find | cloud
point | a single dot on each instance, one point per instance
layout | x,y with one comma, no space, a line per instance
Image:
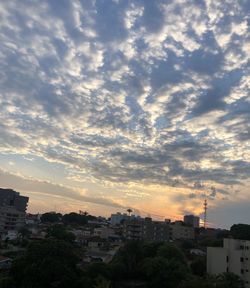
35,186
129,91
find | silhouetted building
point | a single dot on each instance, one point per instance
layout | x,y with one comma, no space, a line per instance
146,229
181,231
192,220
12,210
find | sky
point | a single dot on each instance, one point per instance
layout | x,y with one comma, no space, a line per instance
107,105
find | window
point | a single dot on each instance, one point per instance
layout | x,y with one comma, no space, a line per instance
227,269
246,258
241,259
227,258
242,271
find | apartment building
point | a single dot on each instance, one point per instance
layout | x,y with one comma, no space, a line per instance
133,229
12,210
117,218
233,257
192,220
146,229
181,231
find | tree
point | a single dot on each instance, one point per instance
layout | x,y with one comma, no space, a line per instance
126,262
6,281
225,280
198,266
231,280
161,272
24,232
102,283
240,231
198,283
75,218
51,217
129,211
60,233
188,244
98,270
47,263
150,248
171,251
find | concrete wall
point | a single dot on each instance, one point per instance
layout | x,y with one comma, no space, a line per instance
233,257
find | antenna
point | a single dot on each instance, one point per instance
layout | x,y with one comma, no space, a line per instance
205,213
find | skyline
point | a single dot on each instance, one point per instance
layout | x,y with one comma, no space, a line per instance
106,105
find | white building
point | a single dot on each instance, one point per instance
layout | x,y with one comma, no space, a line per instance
233,257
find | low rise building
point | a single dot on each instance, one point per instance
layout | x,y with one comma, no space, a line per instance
146,229
104,232
233,257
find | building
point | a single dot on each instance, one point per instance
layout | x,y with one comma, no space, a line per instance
146,229
181,231
117,218
132,229
155,230
12,210
104,232
233,257
192,220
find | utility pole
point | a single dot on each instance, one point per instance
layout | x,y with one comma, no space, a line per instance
205,213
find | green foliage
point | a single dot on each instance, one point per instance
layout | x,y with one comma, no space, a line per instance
102,283
51,217
47,263
53,263
75,218
98,270
161,272
231,280
223,234
198,266
188,244
160,264
198,283
240,231
6,281
59,232
24,232
225,280
211,243
150,248
171,251
128,259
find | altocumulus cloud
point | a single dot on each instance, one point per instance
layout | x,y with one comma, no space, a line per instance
129,91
